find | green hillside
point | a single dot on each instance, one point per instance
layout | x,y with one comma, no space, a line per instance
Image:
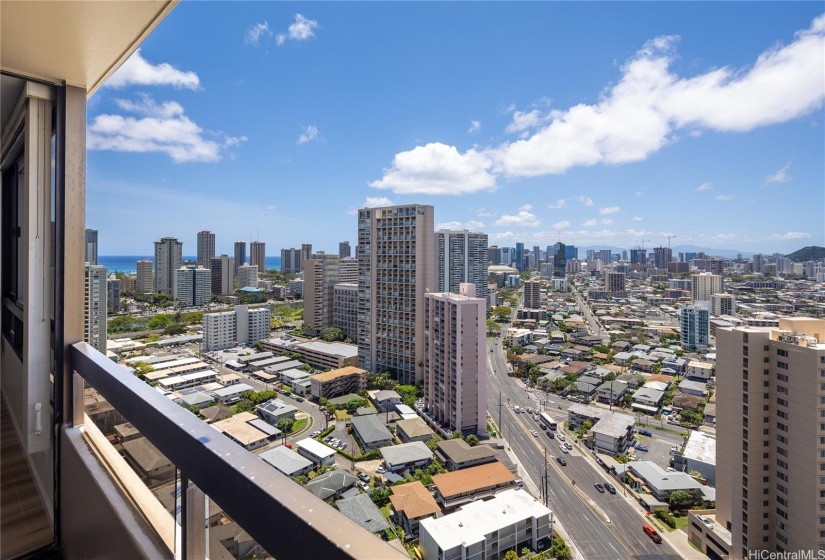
807,254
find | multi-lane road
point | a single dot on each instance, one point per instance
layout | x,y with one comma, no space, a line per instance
602,526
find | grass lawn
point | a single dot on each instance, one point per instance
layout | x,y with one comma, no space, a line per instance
387,510
681,522
299,425
342,416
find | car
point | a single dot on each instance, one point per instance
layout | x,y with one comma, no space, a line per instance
561,461
363,486
651,532
299,399
642,448
568,445
599,487
535,433
551,435
529,410
344,445
563,449
674,449
646,432
363,477
561,437
328,439
610,488
379,469
671,469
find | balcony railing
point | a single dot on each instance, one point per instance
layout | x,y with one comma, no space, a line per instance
283,518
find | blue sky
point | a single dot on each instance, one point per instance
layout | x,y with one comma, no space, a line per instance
600,124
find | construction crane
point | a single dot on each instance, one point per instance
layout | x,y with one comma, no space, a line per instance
643,243
669,237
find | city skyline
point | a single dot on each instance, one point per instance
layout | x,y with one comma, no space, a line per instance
686,113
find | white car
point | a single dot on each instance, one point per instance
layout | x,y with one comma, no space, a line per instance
560,436
379,470
563,449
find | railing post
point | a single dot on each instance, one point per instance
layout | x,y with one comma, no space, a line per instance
194,529
78,399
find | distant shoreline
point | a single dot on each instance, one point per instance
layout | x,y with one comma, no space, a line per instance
127,263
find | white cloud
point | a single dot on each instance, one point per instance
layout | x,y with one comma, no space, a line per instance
437,169
455,225
706,186
635,219
791,235
724,197
606,221
560,203
610,210
649,104
475,126
376,202
140,72
590,223
301,30
524,121
309,134
484,213
523,218
159,127
527,207
564,224
780,176
585,200
640,192
254,33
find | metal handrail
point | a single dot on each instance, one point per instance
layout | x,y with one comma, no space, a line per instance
285,519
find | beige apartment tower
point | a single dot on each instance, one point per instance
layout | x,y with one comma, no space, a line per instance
206,248
614,281
705,285
145,283
320,277
396,268
770,465
455,367
257,255
532,294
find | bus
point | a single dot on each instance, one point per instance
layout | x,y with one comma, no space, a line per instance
548,421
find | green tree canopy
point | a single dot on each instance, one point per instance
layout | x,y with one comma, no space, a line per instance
678,499
333,334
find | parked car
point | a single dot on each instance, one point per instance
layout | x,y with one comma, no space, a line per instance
651,532
379,470
646,432
599,487
561,461
363,486
363,477
610,487
642,448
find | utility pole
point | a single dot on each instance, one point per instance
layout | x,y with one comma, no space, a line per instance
546,496
499,413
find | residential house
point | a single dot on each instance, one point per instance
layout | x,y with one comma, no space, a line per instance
648,476
287,461
275,410
614,433
414,429
683,401
370,432
147,461
456,454
412,503
611,391
385,400
414,455
643,364
317,452
247,430
330,485
699,371
482,481
622,358
693,388
578,413
363,511
648,400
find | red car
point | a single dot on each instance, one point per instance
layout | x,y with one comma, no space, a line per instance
651,532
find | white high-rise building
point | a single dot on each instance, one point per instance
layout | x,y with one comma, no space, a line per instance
348,271
461,256
705,285
247,276
396,268
345,308
723,304
455,359
145,280
291,261
230,328
206,248
695,324
168,259
95,296
91,246
193,285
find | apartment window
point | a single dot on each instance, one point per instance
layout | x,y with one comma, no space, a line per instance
781,352
781,476
782,365
781,402
13,212
782,501
782,439
782,377
766,479
766,348
783,464
781,513
766,360
766,383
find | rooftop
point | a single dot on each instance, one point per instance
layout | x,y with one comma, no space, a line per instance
238,427
662,480
415,427
337,373
329,483
615,424
459,451
315,447
363,511
472,522
406,453
700,447
370,428
414,500
473,478
285,460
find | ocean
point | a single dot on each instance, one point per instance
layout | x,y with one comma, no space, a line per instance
126,263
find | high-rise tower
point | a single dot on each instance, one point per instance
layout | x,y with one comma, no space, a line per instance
168,257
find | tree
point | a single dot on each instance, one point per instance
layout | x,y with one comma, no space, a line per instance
380,496
174,329
285,424
259,346
472,440
511,555
492,326
355,404
502,312
333,334
679,499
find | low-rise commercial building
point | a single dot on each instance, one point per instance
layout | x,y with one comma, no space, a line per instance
698,455
487,529
648,476
317,353
316,452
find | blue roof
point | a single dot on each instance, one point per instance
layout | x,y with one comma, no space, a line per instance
250,289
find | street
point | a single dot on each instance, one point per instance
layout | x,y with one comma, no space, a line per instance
602,526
